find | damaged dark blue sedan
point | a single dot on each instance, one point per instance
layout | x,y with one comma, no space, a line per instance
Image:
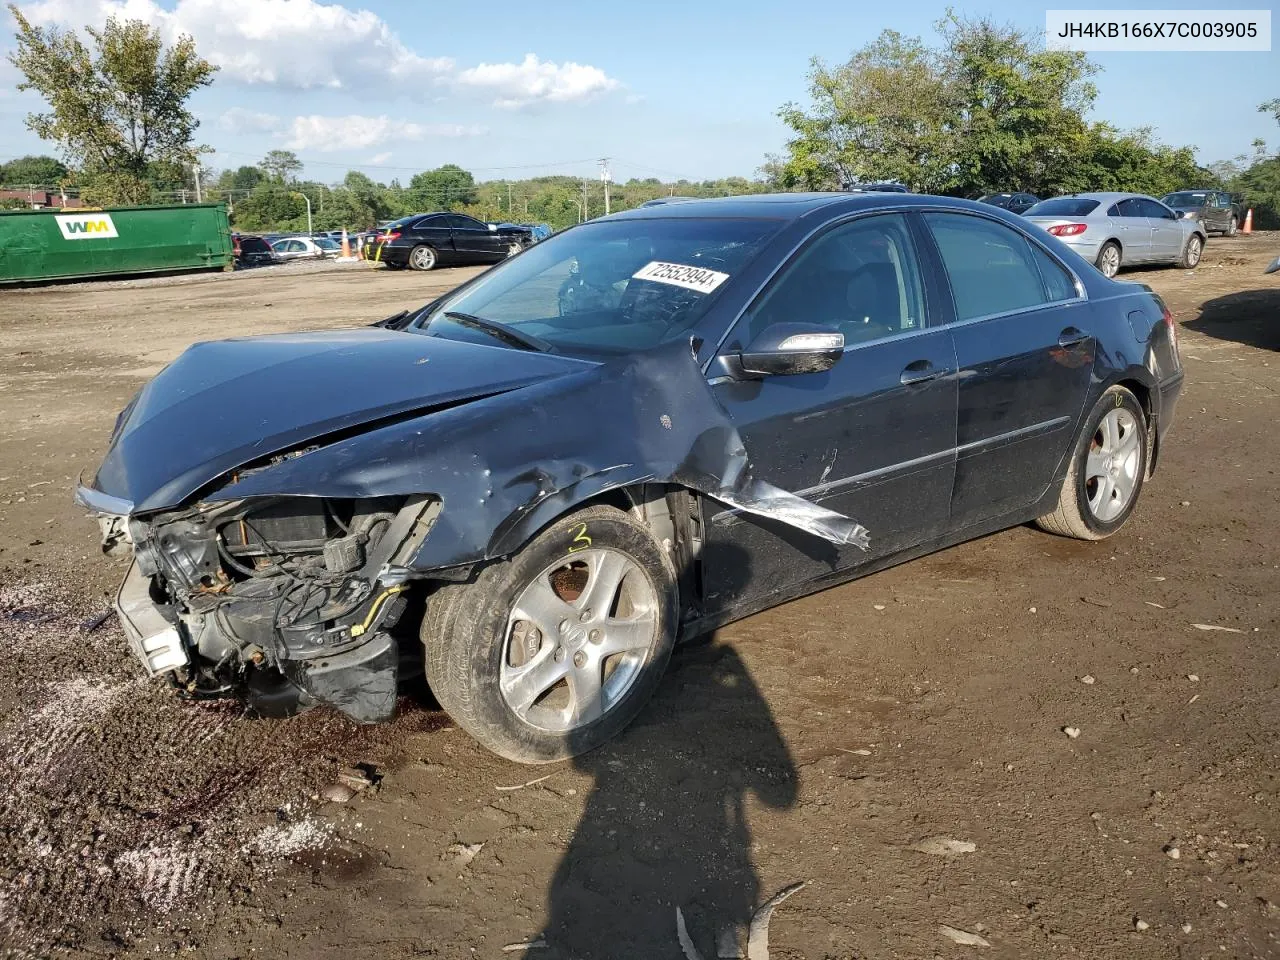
636,431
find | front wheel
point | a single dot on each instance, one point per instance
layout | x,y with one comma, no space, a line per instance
552,652
1232,227
1191,253
1109,259
422,258
1108,466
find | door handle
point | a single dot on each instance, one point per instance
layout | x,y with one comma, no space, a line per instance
922,371
1071,337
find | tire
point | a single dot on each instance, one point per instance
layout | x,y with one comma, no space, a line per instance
423,257
1109,259
1192,252
1093,504
514,248
514,682
1232,227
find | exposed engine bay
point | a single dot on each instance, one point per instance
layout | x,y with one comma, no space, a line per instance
285,601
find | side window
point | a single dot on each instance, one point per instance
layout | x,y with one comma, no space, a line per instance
429,223
1058,283
1130,208
1157,211
862,278
1114,210
296,246
991,267
459,222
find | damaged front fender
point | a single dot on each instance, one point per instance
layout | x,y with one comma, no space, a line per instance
504,466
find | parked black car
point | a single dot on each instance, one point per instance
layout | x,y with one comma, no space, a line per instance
745,400
876,188
252,251
424,241
1214,208
1018,203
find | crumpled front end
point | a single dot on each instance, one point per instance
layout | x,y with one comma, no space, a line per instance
284,601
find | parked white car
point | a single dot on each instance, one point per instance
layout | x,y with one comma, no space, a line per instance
305,248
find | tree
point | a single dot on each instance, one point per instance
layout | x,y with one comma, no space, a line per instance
40,171
282,166
240,179
116,110
988,109
445,188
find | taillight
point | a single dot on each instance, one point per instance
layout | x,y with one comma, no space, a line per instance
390,236
1068,229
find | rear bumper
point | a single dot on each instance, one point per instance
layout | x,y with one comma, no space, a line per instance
391,253
1170,392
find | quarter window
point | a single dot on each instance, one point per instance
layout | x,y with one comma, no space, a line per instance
1058,283
992,268
861,278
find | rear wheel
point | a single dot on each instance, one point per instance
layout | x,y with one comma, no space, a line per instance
1192,252
1232,227
551,653
1109,259
1108,466
422,257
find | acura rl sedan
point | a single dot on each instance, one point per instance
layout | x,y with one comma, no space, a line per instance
1114,230
636,431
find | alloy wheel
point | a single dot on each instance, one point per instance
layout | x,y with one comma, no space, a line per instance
1110,262
577,638
1194,250
422,258
1113,464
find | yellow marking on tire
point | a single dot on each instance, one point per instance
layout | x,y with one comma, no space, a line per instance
581,541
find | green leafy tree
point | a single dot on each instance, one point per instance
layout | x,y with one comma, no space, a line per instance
445,188
40,171
271,206
116,109
282,166
241,179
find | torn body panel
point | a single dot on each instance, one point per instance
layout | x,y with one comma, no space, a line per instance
295,563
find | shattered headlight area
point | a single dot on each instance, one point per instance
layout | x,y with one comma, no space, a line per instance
284,601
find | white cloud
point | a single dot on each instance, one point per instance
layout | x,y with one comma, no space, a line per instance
357,132
302,44
383,157
534,81
239,120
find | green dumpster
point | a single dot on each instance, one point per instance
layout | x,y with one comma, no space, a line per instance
55,244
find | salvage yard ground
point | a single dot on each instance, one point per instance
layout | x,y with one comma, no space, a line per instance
821,741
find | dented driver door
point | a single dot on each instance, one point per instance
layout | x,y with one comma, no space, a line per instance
873,438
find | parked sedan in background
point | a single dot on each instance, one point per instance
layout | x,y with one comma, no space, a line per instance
424,241
1114,230
1018,203
303,248
252,251
1214,208
763,396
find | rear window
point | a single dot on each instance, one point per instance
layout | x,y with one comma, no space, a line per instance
1063,207
1187,198
254,245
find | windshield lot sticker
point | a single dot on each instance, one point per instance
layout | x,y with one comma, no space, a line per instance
680,275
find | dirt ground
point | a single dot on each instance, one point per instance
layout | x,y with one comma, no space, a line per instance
816,742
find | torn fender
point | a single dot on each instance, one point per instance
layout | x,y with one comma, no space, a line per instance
505,465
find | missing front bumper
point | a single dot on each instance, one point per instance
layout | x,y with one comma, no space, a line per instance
154,640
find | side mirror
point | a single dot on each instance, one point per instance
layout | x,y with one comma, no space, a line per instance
787,348
1273,266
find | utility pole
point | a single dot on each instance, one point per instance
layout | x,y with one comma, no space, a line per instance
508,198
584,201
307,200
196,167
605,176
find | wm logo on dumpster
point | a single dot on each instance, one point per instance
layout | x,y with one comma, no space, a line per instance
91,226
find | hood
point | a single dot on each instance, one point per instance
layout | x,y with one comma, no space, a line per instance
1183,208
223,404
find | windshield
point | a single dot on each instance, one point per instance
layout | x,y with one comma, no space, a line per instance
1063,207
605,288
324,243
1186,198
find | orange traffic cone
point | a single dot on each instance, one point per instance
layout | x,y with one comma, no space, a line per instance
1248,222
346,245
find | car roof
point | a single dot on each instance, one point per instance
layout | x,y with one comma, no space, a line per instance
1101,197
786,206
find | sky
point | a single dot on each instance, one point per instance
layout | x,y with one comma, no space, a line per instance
511,90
